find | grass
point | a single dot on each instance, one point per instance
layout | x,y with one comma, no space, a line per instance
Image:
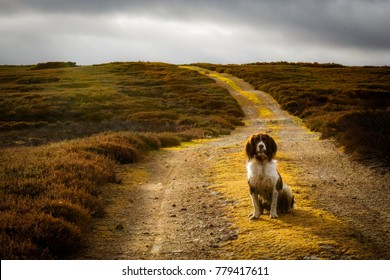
350,104
40,106
63,129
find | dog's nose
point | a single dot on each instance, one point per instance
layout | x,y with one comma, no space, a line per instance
261,146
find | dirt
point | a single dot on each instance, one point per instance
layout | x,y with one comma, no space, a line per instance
192,202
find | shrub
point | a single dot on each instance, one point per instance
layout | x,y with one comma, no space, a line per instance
80,168
48,197
143,97
7,126
117,151
217,122
155,116
168,139
56,235
92,204
12,248
355,128
189,134
336,100
151,140
36,235
53,65
66,210
37,80
49,193
293,106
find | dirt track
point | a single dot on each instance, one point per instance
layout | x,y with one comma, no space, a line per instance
192,202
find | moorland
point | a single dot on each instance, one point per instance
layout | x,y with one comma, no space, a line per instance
350,104
64,128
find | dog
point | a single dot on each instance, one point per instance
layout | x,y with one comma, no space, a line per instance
265,183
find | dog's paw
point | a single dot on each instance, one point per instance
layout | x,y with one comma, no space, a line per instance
273,216
253,217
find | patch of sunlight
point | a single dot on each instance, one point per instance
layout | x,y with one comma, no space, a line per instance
308,232
190,144
131,175
275,128
263,111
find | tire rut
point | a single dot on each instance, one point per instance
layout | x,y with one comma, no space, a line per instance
192,202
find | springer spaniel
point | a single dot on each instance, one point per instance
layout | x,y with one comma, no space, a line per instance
265,183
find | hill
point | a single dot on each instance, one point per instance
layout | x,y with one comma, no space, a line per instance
350,104
64,129
40,106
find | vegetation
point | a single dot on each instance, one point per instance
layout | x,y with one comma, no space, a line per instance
49,193
351,104
111,114
64,128
53,65
41,106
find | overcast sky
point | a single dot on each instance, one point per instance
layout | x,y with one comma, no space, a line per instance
351,32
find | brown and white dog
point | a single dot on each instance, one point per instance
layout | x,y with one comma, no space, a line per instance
265,183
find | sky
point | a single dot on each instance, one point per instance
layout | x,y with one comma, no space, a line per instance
350,32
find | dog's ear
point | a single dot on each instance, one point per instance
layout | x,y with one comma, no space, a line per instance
250,148
271,147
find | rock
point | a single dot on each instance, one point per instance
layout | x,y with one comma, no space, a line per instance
229,237
119,227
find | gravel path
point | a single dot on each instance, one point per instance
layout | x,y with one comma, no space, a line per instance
192,202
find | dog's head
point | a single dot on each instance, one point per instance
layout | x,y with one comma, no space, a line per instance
261,146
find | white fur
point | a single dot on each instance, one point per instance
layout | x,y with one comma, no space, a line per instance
261,147
263,178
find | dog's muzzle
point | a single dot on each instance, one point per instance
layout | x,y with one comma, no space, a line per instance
261,151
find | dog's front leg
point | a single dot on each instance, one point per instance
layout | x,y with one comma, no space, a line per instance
256,205
274,205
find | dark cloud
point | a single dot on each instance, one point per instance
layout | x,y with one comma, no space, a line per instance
345,31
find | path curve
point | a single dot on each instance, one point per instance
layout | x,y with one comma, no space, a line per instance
192,202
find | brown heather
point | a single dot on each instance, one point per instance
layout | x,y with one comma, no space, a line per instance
42,106
63,129
49,193
351,104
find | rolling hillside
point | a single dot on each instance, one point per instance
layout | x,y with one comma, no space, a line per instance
350,104
66,132
63,130
40,105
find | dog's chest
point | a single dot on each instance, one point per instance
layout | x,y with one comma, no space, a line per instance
262,176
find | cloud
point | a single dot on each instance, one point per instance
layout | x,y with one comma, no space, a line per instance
344,31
